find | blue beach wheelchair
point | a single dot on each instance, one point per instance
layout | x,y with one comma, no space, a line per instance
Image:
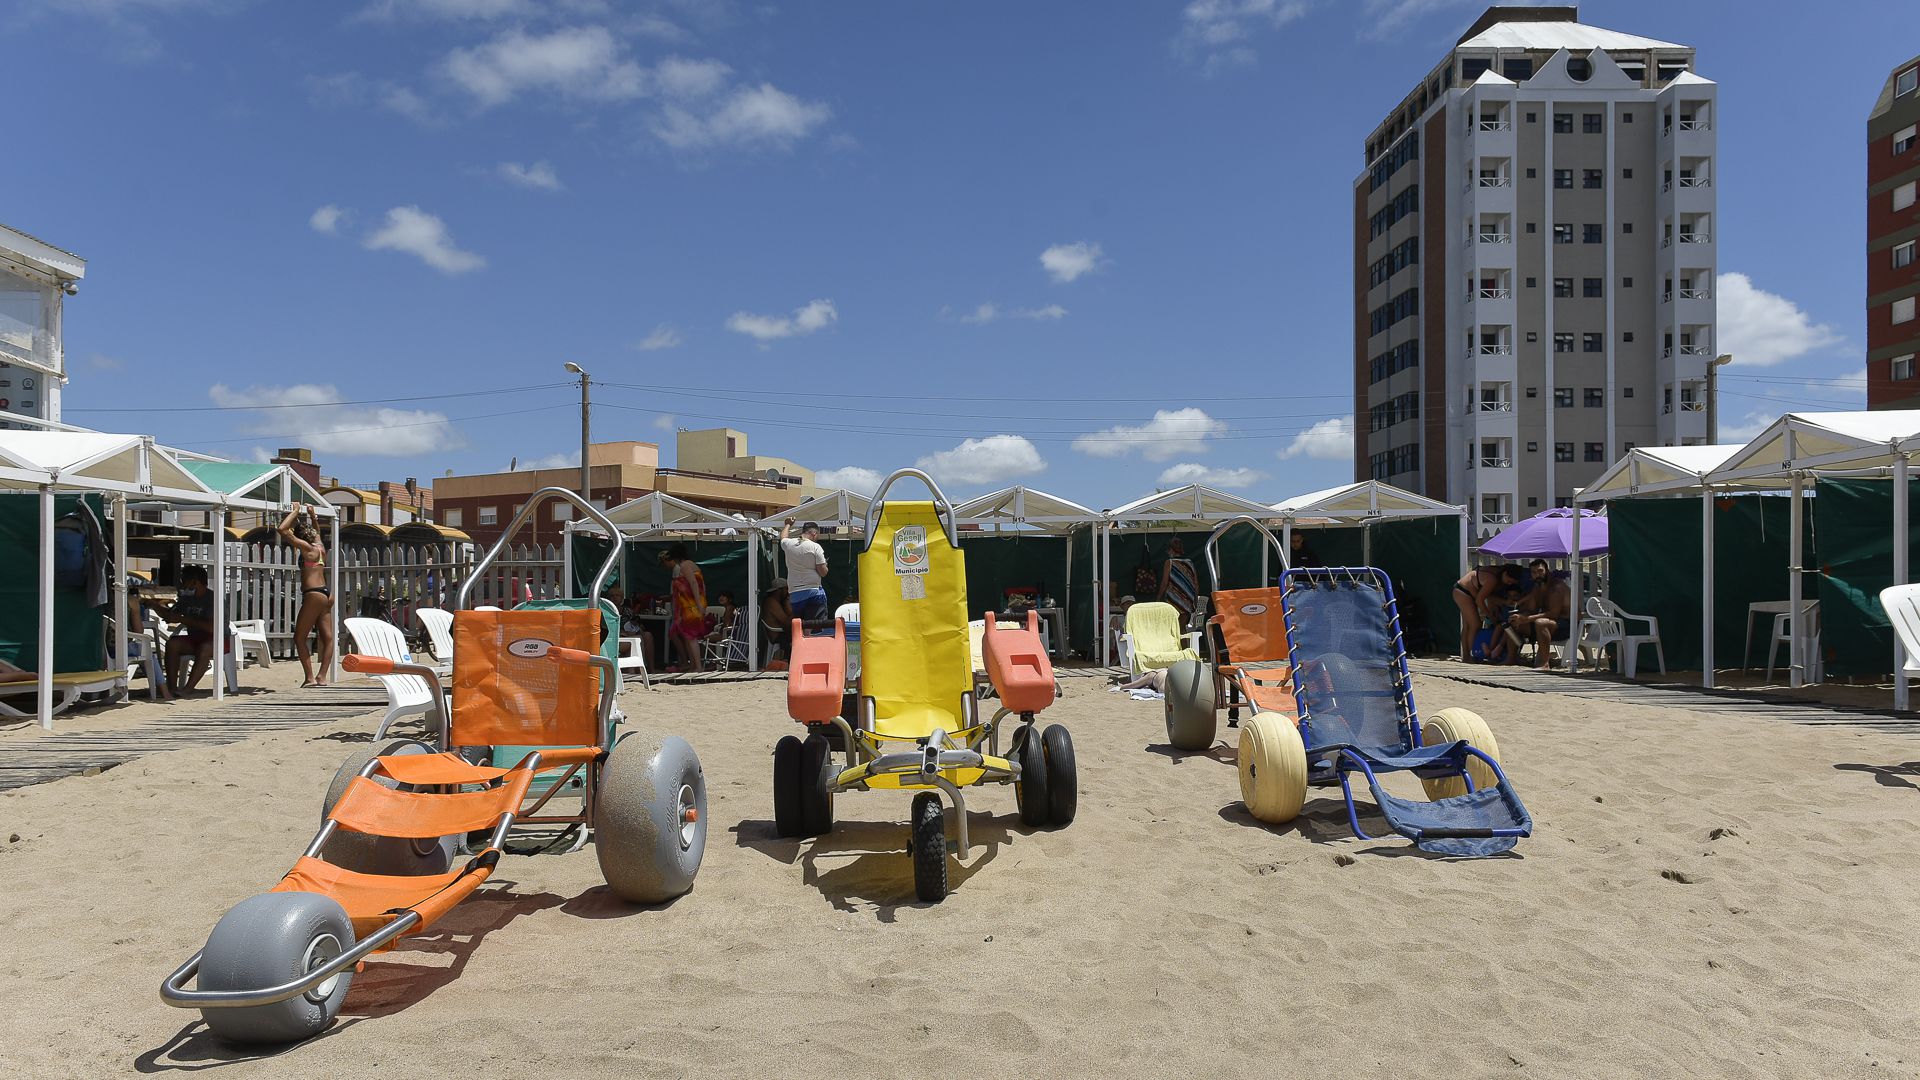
1356,716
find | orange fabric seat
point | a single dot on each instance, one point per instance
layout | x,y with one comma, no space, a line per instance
367,806
429,770
371,899
1271,694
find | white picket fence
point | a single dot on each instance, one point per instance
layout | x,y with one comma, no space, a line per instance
263,582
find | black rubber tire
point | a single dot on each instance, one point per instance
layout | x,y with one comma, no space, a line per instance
787,817
390,855
816,776
1190,699
929,846
648,849
1063,782
267,940
1030,791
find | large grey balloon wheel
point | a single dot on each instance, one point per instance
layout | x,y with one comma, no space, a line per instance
1063,782
787,817
650,818
816,785
1030,791
392,855
1190,700
929,844
268,940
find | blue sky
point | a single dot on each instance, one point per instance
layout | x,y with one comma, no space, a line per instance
1091,247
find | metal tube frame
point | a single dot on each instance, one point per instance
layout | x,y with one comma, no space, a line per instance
532,506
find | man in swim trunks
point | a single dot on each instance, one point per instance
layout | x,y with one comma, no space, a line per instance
193,610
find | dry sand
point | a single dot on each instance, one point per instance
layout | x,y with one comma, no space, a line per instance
1705,895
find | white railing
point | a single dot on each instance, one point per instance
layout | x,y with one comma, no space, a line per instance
1693,406
1696,294
1496,463
1494,350
1696,125
1696,238
1493,294
1496,406
1496,181
1496,519
1696,350
1496,238
1494,125
1696,181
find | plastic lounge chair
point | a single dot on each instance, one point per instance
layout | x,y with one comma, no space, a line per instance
276,968
919,726
438,623
1154,638
412,689
1356,714
633,657
1902,605
1246,656
251,634
68,687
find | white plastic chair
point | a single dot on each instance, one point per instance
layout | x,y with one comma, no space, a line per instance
407,695
163,633
143,651
1902,605
729,649
1783,635
438,624
251,634
1609,624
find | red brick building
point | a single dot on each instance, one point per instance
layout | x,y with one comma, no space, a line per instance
1893,242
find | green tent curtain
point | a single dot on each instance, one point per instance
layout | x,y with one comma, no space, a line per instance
723,563
79,631
1854,520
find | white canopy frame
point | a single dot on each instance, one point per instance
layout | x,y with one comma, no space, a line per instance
1363,504
1025,511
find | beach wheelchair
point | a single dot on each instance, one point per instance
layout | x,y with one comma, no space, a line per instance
1355,715
918,727
1246,655
534,685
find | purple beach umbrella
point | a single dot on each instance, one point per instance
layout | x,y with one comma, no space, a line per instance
1549,535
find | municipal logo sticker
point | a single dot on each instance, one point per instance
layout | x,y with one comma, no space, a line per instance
910,550
530,648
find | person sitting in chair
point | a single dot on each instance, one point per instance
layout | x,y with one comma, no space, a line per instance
193,610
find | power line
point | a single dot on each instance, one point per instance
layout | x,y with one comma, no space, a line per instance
324,404
381,427
1090,436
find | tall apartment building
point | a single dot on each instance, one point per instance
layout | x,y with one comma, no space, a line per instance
1893,237
1534,264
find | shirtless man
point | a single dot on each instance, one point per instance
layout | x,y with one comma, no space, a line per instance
1547,620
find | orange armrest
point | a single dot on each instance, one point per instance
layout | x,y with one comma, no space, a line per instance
1017,664
816,674
367,665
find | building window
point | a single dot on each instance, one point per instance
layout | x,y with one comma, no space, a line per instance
1532,337
1563,234
562,510
1903,139
1626,226
1564,343
1626,115
1532,173
1591,123
1591,234
489,515
1563,397
1626,283
1562,287
1591,178
1531,228
1533,501
1533,391
1591,343
1533,283
1903,195
1533,447
1472,69
1594,398
1906,81
1626,174
452,517
1518,70
1627,448
1597,452
1627,338
1903,367
1903,310
1563,123
1903,254
1563,452
1627,391
1591,288
1563,178
1533,118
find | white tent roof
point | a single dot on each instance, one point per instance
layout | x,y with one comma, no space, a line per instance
1652,470
1368,500
1798,442
1193,506
659,512
1023,507
1578,37
98,461
840,508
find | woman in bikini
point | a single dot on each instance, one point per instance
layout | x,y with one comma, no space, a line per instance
316,599
1474,595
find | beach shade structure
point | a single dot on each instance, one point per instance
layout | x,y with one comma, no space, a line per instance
1421,544
536,681
1355,715
1549,535
1012,537
1246,655
1190,508
918,725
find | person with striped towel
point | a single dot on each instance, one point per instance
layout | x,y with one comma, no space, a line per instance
1179,582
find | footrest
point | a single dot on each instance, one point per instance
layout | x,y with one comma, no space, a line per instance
1484,822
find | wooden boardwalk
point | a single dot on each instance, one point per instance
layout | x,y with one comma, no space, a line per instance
197,722
1671,696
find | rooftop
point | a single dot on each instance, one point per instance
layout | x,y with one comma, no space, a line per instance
1548,29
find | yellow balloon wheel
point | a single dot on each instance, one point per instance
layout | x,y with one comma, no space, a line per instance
1273,768
1449,725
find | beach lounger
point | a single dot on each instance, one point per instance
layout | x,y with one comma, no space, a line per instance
1246,656
1154,638
919,726
277,966
1354,701
438,623
412,689
68,688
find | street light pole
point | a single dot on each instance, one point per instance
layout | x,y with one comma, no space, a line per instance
586,411
1713,397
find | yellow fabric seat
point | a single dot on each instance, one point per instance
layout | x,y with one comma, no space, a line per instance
1154,637
918,721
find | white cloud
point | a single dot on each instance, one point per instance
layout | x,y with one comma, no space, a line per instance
1328,440
991,460
1171,433
1216,33
414,231
326,219
816,315
664,421
990,312
350,88
570,460
985,313
103,362
538,175
1044,314
853,477
1067,262
298,414
1762,329
383,10
663,337
1188,472
750,115
585,62
679,77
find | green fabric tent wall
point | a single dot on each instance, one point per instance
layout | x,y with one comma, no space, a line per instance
723,563
79,631
1854,520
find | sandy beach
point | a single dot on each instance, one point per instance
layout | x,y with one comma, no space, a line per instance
1704,895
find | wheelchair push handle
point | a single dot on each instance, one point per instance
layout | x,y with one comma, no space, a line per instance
941,504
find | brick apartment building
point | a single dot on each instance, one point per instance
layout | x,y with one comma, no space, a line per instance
1893,239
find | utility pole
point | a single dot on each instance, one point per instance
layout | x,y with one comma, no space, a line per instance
586,473
1713,397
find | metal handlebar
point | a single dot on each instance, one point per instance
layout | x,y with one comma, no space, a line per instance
1213,542
940,504
599,517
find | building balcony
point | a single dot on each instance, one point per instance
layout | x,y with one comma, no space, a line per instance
1489,522
1696,294
1497,406
1696,125
1493,125
1496,463
1489,350
1494,181
1688,238
1496,238
1491,294
1696,350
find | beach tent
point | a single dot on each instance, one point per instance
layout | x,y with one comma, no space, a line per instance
1192,508
1401,532
1008,533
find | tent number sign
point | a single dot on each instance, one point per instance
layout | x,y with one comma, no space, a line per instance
910,561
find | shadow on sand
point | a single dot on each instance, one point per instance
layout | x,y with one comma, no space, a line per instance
866,862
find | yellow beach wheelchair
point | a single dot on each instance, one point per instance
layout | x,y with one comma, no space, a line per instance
919,727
